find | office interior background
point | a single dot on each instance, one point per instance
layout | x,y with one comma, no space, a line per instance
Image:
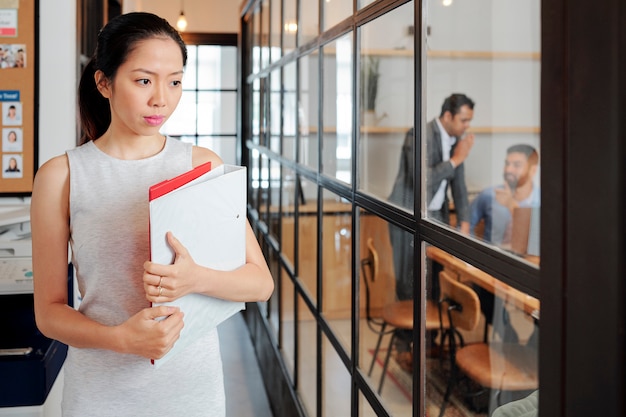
549,74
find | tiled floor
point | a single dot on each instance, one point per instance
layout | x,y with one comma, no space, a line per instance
245,392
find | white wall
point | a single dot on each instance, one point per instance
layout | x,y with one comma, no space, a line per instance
57,78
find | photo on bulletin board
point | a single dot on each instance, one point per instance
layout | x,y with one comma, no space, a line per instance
18,96
11,113
12,56
12,166
12,139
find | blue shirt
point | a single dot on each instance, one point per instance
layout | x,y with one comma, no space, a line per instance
497,217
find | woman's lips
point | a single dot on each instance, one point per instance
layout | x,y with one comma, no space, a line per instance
154,120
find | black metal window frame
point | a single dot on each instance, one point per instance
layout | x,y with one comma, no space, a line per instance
582,297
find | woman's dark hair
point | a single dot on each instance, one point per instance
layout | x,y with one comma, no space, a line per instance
116,40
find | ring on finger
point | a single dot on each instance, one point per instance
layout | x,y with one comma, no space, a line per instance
160,281
160,290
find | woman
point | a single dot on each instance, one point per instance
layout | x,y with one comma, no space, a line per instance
12,166
95,198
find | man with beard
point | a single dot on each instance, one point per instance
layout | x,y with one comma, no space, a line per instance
495,205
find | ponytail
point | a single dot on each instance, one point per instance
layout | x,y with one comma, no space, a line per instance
95,113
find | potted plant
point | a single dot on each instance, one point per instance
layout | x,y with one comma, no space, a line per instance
369,88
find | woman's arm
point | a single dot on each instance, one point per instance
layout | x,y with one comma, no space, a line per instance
251,282
55,318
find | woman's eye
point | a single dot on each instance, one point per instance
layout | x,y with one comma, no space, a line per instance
176,83
144,81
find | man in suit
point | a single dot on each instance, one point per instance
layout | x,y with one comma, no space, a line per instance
446,150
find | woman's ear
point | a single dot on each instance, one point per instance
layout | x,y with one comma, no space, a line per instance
102,83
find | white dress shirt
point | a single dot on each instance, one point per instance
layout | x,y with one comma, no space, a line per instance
446,145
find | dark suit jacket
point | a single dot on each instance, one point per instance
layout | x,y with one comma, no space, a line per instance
437,171
402,195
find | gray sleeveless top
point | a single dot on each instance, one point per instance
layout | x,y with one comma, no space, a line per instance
109,243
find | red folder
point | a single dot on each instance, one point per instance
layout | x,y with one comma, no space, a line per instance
166,186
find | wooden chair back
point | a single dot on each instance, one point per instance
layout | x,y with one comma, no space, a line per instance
465,311
369,270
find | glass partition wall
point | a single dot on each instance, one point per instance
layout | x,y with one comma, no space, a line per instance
394,152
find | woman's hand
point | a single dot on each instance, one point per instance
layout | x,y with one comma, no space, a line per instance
144,335
164,283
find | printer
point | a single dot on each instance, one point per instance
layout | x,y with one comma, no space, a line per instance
29,361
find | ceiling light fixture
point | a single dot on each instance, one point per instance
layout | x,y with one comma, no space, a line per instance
181,23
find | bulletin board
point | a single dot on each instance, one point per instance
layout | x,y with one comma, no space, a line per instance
18,96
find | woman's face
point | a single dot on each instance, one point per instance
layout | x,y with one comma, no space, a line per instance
146,88
12,163
12,137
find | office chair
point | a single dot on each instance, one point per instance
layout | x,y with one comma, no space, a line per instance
495,366
396,316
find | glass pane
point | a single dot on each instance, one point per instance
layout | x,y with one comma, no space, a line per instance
386,286
337,272
494,189
491,343
272,263
307,230
309,20
275,111
263,110
217,67
335,383
228,67
337,145
306,268
256,109
253,191
386,107
290,111
217,113
274,192
256,41
287,341
290,25
363,3
264,190
287,209
308,113
191,70
183,120
274,301
307,363
265,38
275,30
335,11
224,146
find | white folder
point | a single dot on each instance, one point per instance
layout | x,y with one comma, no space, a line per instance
207,214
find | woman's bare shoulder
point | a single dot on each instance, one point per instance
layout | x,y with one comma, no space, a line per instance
200,155
53,172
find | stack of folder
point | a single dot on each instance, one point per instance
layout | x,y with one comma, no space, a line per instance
205,209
